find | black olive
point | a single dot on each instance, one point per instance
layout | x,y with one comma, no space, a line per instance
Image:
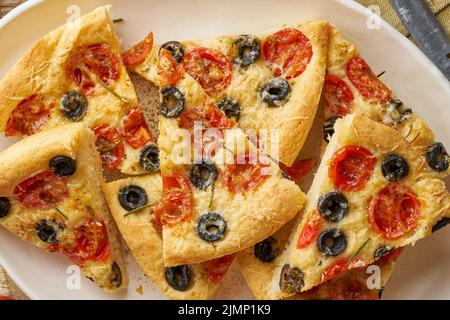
211,227
176,50
74,106
172,104
116,275
328,127
132,197
397,111
275,93
203,175
285,175
265,251
231,109
63,166
291,279
178,277
394,168
48,231
381,252
333,206
437,157
440,224
331,242
149,158
248,50
5,206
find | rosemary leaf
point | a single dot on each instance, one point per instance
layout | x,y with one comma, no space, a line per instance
91,212
116,145
148,161
118,20
137,210
382,73
110,90
359,250
61,213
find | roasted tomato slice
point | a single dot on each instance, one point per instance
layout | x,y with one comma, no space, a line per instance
28,117
137,54
217,268
299,169
349,288
177,201
390,257
335,269
338,96
41,191
244,177
288,52
109,144
367,83
169,71
310,230
216,118
351,167
394,211
135,129
188,118
210,68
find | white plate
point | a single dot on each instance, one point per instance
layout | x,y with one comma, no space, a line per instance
423,271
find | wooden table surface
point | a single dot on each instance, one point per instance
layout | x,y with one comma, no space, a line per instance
8,5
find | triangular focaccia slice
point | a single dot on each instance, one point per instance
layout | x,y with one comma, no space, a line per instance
374,191
76,74
50,195
271,82
131,202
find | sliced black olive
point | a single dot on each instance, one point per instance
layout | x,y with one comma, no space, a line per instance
285,175
74,106
211,227
397,111
132,197
149,158
440,224
203,175
381,252
291,279
333,206
48,231
63,166
175,48
276,92
172,103
231,109
116,275
328,127
265,250
394,168
437,157
331,242
5,206
178,277
248,50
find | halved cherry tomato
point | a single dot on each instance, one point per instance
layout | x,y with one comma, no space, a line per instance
189,116
299,169
109,144
137,54
216,118
367,83
177,201
169,71
391,256
135,129
5,298
210,68
28,117
243,177
350,288
338,96
351,167
310,230
288,52
41,191
217,268
335,269
394,211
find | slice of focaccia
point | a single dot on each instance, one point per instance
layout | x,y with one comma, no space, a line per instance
270,83
375,190
50,195
76,74
131,202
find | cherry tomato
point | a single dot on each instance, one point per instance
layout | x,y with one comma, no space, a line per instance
217,268
367,83
351,167
299,169
338,96
169,71
5,298
41,191
288,52
109,144
335,269
216,118
188,118
310,230
394,211
135,129
137,54
390,257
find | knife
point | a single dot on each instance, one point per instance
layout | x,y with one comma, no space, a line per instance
426,31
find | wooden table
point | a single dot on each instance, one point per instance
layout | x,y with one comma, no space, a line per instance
7,5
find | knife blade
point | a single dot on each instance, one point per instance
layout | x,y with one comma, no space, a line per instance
429,35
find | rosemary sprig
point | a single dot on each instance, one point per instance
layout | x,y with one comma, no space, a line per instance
61,213
110,90
149,162
116,145
118,20
359,250
137,210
